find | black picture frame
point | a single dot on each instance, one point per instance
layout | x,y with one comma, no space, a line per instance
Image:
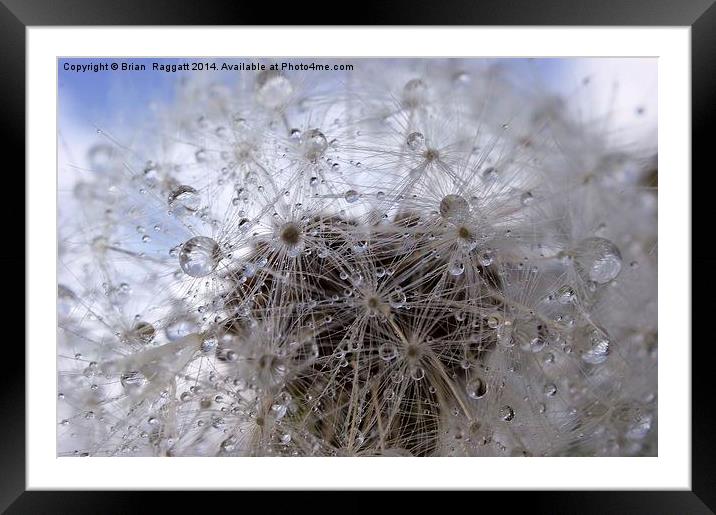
700,15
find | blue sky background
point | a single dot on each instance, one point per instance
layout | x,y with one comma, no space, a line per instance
98,98
115,101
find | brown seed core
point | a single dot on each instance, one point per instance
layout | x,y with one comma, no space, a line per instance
431,154
290,234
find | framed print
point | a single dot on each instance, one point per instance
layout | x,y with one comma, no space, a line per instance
361,257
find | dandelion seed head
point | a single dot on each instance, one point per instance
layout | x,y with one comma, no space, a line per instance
427,261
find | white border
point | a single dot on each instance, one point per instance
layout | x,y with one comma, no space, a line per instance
671,470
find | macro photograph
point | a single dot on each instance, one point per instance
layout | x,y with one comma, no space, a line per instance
357,257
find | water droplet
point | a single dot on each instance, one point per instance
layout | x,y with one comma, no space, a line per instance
597,259
84,191
351,196
417,373
415,141
199,256
91,370
550,390
273,89
632,418
536,344
229,444
565,295
454,207
456,268
184,200
178,329
143,332
132,381
486,257
66,300
209,343
100,157
461,77
494,321
387,351
397,298
598,348
490,174
295,134
507,413
527,198
476,388
415,93
314,144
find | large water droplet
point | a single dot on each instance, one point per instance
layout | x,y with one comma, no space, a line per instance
314,144
598,348
415,141
66,300
229,444
143,332
476,388
598,260
351,196
273,89
415,93
184,200
454,207
456,268
178,329
100,157
199,256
